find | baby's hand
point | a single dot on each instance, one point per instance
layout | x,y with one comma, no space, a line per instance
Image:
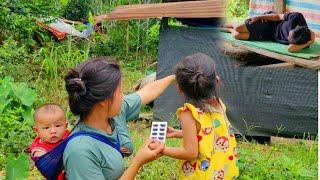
38,153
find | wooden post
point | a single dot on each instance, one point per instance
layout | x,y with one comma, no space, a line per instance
164,23
280,6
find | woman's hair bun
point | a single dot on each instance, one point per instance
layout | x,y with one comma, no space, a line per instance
74,84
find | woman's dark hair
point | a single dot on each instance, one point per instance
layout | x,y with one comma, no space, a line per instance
90,83
196,77
300,35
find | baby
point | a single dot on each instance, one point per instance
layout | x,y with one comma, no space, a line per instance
51,127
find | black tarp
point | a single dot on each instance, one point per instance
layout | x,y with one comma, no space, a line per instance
260,101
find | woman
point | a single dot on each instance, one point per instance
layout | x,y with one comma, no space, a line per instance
95,94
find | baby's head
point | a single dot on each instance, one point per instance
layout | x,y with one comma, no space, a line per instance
197,78
50,123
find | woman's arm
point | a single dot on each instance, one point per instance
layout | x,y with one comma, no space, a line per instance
132,171
189,151
151,91
143,156
100,18
296,47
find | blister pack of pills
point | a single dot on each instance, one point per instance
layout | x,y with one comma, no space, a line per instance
159,131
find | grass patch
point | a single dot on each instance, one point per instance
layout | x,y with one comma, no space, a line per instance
281,160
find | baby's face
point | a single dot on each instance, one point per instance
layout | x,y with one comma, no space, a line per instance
51,127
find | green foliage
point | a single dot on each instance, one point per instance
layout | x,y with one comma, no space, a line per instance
17,168
18,19
284,160
16,109
78,10
58,58
10,51
237,8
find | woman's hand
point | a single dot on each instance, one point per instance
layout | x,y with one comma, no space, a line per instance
146,154
99,19
153,90
143,156
173,133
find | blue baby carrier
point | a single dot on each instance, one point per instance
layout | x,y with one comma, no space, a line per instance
51,164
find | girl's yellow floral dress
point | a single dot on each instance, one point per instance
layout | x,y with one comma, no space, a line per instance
218,156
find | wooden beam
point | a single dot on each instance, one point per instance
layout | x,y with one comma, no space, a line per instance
279,65
187,9
308,63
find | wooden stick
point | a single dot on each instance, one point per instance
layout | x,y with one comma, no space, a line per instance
279,65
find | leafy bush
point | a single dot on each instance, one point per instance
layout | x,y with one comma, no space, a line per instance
18,19
237,8
17,168
11,52
16,109
78,10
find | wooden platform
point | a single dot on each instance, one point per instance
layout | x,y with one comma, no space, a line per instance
307,63
187,9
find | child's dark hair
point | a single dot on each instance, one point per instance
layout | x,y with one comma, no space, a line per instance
48,108
90,83
300,35
196,77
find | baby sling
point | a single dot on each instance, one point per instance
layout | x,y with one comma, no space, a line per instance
51,164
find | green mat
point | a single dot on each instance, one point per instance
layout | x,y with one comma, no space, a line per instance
308,53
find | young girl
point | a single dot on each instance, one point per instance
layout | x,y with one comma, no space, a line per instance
209,145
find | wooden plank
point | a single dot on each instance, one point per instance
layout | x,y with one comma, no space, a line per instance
188,9
279,65
173,4
311,63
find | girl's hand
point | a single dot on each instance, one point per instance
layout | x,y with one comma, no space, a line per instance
146,154
173,133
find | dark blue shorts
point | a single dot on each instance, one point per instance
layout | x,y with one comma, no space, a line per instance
260,30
